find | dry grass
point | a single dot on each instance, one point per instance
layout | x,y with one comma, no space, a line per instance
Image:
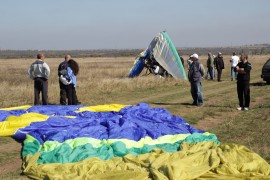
104,81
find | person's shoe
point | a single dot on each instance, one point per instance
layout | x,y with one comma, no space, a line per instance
246,108
239,108
201,104
194,104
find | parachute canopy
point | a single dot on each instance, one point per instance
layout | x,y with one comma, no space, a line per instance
160,58
118,141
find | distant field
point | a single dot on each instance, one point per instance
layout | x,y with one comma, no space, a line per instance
104,81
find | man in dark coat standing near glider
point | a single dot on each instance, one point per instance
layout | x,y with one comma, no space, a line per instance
39,71
195,75
219,65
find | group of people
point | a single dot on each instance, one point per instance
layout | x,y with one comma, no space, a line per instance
240,70
217,63
39,71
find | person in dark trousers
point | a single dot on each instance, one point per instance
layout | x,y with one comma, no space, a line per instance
63,87
182,60
72,72
210,66
195,75
219,65
39,71
243,77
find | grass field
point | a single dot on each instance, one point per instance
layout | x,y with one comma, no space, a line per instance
104,81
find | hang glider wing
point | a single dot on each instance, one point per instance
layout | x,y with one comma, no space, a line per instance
166,55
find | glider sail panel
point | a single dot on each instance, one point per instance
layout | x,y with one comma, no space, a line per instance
167,56
138,64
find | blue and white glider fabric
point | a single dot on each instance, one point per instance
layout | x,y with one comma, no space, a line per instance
166,55
138,64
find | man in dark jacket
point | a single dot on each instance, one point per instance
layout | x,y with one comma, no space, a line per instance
243,77
219,65
63,88
195,74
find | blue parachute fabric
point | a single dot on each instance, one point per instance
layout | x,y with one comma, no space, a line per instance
4,114
57,110
62,128
132,122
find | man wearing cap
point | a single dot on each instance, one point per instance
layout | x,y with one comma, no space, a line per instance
195,75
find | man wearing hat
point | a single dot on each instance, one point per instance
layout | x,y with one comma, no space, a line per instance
195,75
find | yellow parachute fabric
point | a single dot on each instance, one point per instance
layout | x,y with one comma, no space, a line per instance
103,108
17,108
198,160
12,123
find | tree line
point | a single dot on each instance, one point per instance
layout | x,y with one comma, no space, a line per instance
251,50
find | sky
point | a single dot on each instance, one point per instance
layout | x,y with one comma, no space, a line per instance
130,24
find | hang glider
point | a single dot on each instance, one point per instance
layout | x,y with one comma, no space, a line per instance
160,58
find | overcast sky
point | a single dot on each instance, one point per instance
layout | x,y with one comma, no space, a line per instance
126,24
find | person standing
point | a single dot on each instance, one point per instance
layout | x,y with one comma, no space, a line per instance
72,72
243,77
189,62
214,69
219,65
182,60
234,61
39,71
195,75
210,66
62,68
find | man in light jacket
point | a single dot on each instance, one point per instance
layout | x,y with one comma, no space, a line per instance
39,71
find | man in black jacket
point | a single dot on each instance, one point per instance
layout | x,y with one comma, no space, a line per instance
63,88
243,77
219,65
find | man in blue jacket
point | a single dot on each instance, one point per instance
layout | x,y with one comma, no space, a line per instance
195,75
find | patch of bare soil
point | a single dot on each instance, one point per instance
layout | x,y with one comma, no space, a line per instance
208,123
14,163
11,146
10,166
